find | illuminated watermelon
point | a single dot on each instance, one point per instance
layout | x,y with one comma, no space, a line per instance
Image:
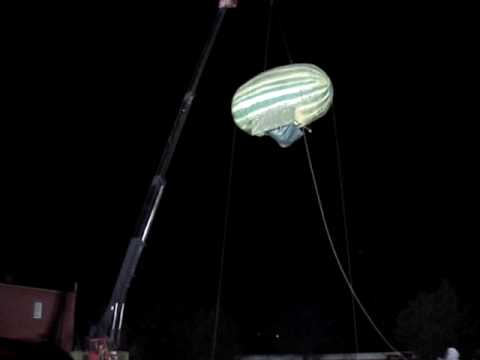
281,101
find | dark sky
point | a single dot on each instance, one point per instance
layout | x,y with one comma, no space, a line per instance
91,94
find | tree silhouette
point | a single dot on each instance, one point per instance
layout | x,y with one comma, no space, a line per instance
434,321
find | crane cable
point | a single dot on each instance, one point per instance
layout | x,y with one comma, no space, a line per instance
342,194
324,221
345,227
218,301
227,206
222,250
335,254
267,38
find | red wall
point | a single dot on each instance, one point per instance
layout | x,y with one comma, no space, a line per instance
55,319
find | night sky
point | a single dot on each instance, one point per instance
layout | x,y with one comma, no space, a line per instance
91,93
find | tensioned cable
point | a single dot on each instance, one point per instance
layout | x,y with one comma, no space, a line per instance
222,250
284,40
222,254
334,251
342,194
227,204
345,225
267,38
227,208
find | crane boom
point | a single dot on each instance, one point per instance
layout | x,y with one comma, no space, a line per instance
111,322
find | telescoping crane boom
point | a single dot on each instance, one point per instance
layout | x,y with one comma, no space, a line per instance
110,325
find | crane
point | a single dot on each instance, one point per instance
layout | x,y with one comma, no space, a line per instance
108,329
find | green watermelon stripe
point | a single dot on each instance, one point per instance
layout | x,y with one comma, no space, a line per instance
241,114
275,94
282,70
278,85
317,106
315,101
272,77
238,114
